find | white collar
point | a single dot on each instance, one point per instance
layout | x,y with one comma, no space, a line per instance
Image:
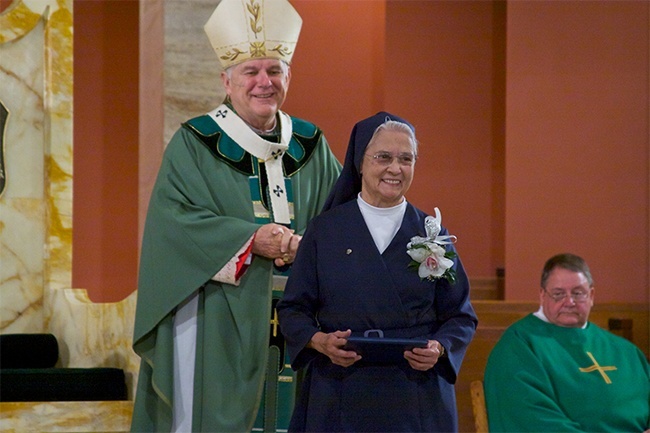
541,316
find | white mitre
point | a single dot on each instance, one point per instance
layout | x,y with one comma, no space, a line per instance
241,30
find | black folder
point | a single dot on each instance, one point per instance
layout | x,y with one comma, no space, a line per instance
381,350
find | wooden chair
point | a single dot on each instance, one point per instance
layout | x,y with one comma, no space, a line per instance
478,406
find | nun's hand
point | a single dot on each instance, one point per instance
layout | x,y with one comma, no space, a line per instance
424,358
332,344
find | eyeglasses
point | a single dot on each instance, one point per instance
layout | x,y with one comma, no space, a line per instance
387,158
577,296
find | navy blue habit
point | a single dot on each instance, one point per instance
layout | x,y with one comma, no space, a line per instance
340,281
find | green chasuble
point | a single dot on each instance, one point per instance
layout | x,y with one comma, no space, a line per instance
542,377
200,215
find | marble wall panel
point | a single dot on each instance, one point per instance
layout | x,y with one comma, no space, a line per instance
23,202
58,137
69,416
36,203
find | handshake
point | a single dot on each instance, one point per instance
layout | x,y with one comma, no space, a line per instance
276,242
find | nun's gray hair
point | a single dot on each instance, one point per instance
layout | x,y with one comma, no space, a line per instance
396,126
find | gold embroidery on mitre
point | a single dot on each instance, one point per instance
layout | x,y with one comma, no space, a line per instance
282,50
254,9
258,49
232,55
597,367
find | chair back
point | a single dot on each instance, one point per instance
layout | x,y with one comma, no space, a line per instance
478,406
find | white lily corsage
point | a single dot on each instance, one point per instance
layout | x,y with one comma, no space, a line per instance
429,257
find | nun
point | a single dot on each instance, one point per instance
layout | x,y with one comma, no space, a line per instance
376,271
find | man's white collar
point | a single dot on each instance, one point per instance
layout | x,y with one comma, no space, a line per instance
541,316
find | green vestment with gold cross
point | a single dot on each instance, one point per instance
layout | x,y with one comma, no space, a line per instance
546,378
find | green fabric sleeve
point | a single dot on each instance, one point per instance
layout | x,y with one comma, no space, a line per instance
199,216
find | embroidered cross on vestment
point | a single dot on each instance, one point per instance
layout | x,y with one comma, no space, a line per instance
599,368
275,322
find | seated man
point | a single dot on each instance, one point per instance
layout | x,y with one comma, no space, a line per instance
553,371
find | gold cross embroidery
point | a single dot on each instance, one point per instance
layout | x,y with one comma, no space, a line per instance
597,367
275,322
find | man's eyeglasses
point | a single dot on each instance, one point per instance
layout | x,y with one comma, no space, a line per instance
386,158
577,296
